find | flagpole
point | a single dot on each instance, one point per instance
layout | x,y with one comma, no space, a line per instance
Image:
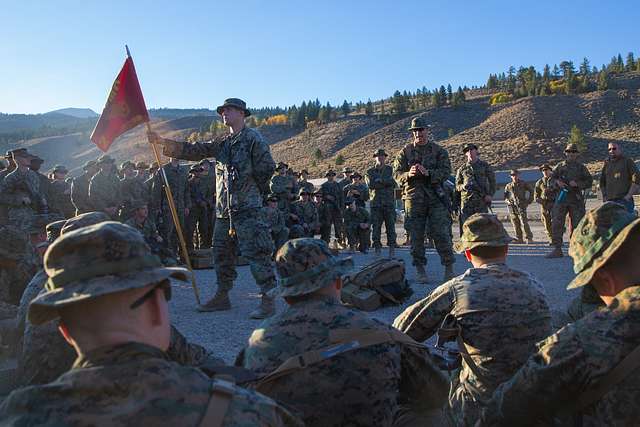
174,211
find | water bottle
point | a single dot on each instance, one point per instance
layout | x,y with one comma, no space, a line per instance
562,195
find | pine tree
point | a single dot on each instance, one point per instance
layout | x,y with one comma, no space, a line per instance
556,71
458,98
567,68
576,137
546,73
346,108
619,63
317,154
398,103
443,94
449,93
631,63
368,110
584,67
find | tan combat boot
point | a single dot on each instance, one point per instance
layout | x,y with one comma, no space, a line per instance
267,308
392,251
556,253
448,272
219,302
421,274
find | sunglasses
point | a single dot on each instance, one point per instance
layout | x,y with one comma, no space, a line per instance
166,287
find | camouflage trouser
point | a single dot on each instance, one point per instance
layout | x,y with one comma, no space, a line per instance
253,238
169,233
576,211
298,230
386,214
546,209
198,227
358,237
472,206
207,237
334,217
406,225
431,216
21,218
520,222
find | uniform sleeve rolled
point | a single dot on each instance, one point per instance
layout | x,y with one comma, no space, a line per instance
263,164
422,319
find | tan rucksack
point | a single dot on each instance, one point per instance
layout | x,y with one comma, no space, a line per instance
381,282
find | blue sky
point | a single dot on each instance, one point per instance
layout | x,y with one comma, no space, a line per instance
58,54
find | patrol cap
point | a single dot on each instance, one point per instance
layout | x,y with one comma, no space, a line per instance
19,152
127,164
356,174
469,147
419,123
235,103
347,169
544,166
36,160
303,172
272,198
306,265
142,165
330,172
196,168
571,148
60,168
281,165
598,236
482,229
348,201
380,152
89,164
514,172
94,261
302,191
83,220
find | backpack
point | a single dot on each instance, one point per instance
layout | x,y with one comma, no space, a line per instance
381,282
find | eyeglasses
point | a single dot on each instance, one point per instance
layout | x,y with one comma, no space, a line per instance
166,287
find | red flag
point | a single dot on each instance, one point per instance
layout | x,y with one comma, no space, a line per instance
124,110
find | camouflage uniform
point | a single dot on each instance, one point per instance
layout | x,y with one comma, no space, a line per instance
208,189
383,186
129,382
80,189
18,263
573,203
243,168
324,214
177,177
132,189
60,199
282,187
197,225
355,234
501,313
333,198
104,188
17,188
276,221
306,185
474,181
577,358
361,190
518,197
545,194
616,178
359,386
425,209
307,221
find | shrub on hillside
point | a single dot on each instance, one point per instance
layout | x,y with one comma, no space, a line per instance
339,160
499,98
558,87
279,119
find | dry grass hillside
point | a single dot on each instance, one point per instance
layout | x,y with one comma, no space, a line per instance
521,133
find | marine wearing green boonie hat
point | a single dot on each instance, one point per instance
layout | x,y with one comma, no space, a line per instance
95,261
307,265
235,103
482,229
419,123
597,237
83,220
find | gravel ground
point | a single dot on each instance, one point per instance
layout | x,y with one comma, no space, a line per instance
225,333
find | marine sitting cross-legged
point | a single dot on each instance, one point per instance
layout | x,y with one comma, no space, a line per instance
356,371
495,313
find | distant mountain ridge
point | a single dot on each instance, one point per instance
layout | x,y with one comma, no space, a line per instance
80,113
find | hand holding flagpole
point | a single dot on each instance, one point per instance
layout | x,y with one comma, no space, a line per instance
124,110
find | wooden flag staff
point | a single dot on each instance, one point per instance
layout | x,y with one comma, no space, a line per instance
174,212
